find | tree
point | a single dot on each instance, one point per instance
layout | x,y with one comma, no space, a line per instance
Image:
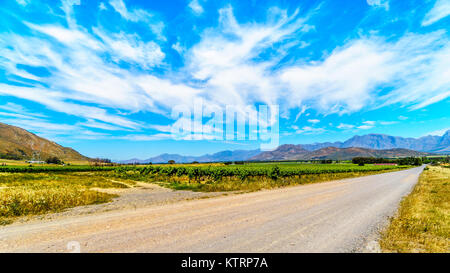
274,173
171,161
53,160
418,161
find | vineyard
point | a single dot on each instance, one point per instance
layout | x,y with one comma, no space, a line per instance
214,177
245,177
245,171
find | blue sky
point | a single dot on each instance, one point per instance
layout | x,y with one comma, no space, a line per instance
103,76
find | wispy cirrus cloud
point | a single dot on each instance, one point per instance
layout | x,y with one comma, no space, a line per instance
441,9
365,125
19,109
347,80
139,15
54,101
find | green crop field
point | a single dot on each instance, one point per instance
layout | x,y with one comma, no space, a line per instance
247,177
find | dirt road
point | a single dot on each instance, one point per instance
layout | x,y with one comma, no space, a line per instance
337,216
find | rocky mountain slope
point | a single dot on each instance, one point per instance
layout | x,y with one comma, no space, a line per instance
17,143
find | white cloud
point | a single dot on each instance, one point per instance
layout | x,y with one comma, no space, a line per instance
302,110
67,7
134,15
19,109
313,120
178,48
42,125
369,122
130,48
195,6
135,137
440,132
53,100
23,2
365,127
388,122
100,125
345,126
379,3
343,81
308,130
139,15
346,81
221,61
102,6
441,9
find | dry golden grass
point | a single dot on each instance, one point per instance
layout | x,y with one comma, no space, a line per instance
423,220
13,162
23,194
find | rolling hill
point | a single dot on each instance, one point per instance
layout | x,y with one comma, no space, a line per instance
17,143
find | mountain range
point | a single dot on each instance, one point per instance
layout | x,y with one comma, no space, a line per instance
296,152
17,143
222,156
371,145
432,144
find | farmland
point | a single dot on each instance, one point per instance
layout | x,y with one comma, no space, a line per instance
248,177
31,190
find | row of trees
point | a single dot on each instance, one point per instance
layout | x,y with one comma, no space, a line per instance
416,161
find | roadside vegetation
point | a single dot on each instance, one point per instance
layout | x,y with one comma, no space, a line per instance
423,220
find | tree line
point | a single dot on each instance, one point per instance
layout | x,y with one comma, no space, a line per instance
415,161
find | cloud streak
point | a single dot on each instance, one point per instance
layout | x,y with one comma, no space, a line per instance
440,10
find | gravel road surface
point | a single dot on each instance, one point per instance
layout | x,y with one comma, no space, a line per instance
336,216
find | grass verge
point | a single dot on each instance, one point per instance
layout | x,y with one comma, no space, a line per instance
422,223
